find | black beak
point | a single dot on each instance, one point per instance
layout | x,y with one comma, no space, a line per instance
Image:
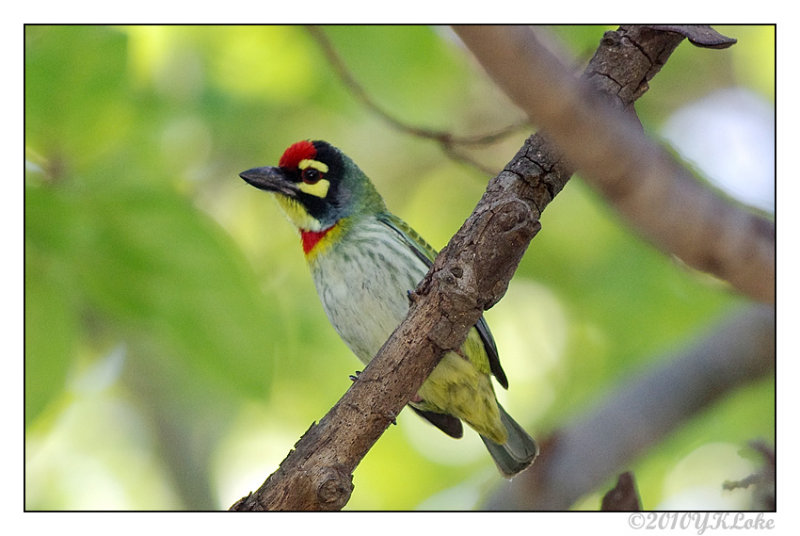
271,179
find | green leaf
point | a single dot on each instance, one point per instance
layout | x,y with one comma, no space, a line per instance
77,100
50,334
150,265
160,266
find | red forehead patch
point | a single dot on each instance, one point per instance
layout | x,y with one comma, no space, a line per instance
302,150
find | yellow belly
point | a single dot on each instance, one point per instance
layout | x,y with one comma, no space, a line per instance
456,387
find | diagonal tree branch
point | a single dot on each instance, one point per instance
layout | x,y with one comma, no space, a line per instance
659,197
585,453
469,275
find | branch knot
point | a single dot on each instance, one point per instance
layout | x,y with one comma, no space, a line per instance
335,487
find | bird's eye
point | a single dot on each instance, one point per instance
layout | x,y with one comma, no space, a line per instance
311,175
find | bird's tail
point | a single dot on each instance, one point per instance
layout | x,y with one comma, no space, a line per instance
517,453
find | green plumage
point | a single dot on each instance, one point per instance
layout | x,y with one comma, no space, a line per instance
364,261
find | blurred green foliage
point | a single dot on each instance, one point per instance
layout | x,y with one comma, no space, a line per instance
174,345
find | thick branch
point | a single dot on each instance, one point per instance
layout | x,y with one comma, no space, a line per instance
586,453
656,194
469,275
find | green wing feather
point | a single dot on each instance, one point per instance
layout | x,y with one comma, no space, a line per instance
418,244
427,254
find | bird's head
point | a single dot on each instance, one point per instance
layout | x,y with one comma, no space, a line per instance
317,185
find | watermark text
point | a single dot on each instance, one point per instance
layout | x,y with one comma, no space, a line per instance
700,522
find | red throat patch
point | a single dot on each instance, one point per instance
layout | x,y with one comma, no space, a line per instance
311,238
302,150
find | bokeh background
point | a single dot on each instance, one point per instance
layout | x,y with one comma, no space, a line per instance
175,349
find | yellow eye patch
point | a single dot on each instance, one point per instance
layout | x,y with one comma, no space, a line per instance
318,189
322,167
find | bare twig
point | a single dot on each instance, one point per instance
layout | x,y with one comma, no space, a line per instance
448,141
468,276
657,195
763,481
